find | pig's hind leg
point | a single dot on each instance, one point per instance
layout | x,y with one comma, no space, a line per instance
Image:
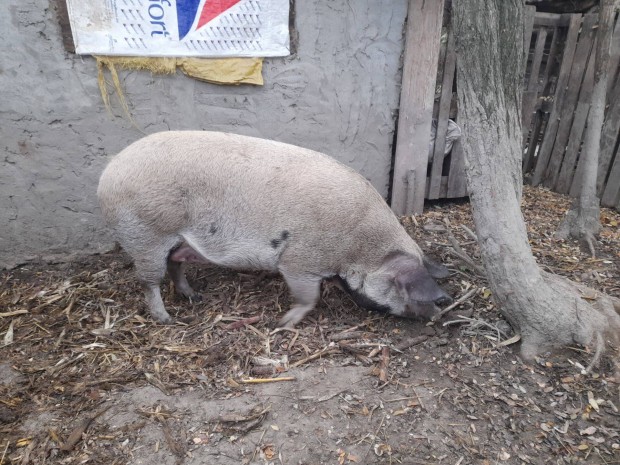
151,269
305,290
150,253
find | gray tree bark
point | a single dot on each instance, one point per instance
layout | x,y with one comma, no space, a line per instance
582,221
546,310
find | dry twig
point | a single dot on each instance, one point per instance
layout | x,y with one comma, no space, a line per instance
267,380
383,364
320,353
455,304
78,431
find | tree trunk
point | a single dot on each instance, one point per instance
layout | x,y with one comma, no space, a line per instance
546,310
583,219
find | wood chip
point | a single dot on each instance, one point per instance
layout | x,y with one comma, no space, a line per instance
383,364
78,431
267,380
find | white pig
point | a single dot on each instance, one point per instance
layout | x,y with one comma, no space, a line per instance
247,203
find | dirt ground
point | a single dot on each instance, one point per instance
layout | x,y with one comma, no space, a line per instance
86,377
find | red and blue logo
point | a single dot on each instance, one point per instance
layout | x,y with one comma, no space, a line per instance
189,10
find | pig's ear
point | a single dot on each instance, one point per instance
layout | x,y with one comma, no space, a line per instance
436,270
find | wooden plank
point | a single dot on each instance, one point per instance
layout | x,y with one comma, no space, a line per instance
609,137
531,94
442,119
614,60
551,59
528,159
541,40
585,180
584,47
422,42
528,107
552,126
443,187
457,180
552,19
62,14
564,177
611,126
529,13
611,195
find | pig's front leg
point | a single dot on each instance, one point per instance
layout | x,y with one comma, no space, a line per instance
305,289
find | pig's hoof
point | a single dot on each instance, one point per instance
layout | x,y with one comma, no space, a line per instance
190,295
195,297
292,317
286,323
163,320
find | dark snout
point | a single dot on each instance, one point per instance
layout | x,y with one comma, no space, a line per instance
443,300
425,296
426,310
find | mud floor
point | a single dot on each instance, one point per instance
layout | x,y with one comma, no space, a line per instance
86,377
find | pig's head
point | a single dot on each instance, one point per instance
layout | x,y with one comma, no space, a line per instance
404,285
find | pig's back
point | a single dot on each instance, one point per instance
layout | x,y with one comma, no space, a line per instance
200,181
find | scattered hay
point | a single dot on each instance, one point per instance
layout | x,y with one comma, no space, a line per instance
72,334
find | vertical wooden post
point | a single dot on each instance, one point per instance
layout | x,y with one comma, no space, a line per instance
529,13
422,41
442,119
544,154
530,94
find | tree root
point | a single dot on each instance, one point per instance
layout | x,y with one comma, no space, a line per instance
600,347
581,223
588,239
579,314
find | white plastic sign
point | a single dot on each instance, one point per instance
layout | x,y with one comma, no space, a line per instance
201,28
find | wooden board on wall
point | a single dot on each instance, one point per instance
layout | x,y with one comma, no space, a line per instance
531,91
563,178
569,103
611,127
457,180
611,194
422,40
554,118
609,139
539,123
529,14
442,120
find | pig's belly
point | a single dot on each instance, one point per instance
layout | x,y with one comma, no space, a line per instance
240,253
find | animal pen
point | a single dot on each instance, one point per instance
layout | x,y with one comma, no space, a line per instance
87,377
557,89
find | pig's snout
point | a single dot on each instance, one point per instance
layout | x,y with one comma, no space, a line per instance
425,310
425,298
443,300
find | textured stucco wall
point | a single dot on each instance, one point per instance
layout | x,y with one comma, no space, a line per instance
337,94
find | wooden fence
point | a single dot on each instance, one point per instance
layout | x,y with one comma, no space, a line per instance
553,140
556,100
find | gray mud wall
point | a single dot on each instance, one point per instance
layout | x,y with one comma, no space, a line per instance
337,94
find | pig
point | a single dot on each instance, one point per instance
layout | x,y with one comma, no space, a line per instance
179,197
